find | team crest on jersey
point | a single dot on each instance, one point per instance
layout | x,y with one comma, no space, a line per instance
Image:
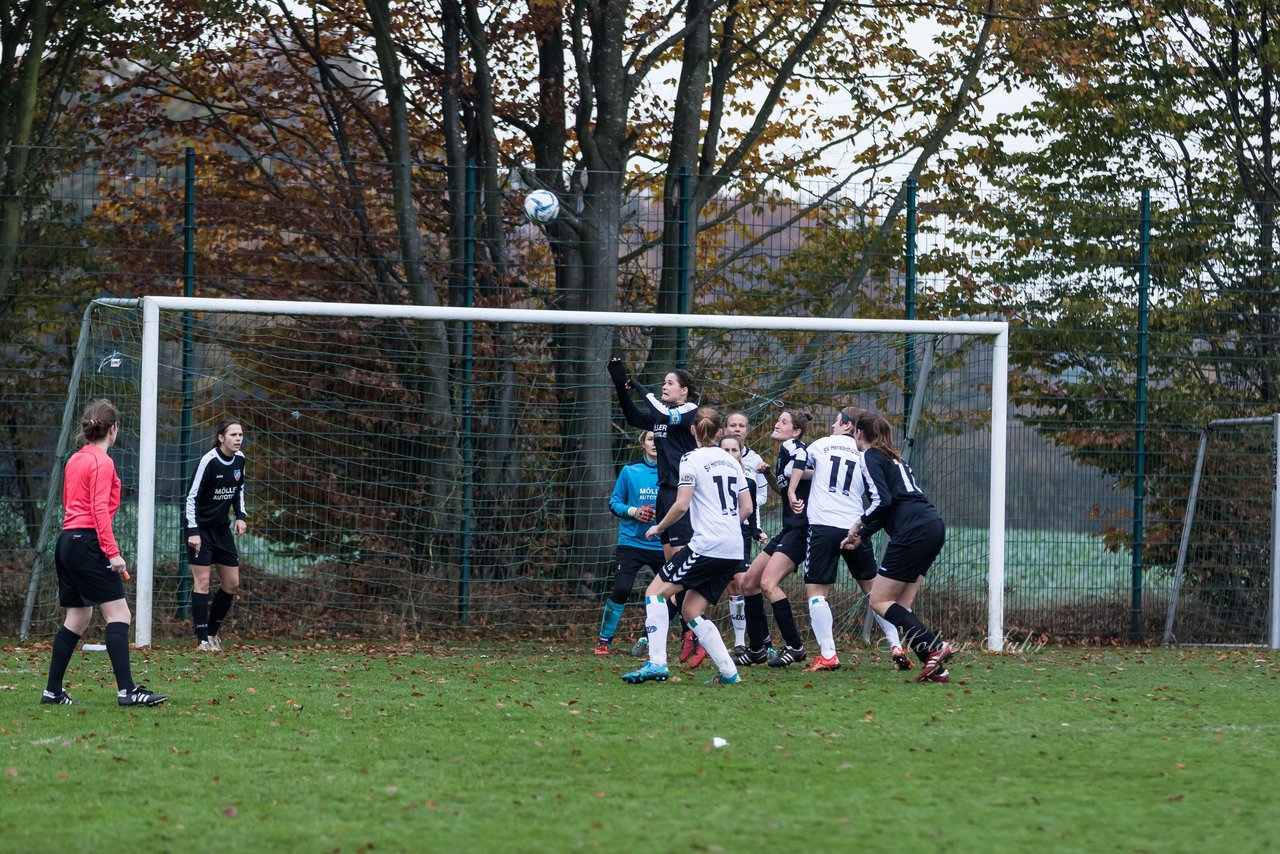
676,417
237,474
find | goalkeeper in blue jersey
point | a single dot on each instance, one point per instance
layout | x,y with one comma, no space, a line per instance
632,501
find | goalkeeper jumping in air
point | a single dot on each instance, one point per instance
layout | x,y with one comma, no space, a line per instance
667,416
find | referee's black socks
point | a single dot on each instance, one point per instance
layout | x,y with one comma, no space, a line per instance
64,644
118,650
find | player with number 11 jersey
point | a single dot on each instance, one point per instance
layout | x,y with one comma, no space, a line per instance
836,490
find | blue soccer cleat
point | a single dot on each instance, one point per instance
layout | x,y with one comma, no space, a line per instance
721,679
648,672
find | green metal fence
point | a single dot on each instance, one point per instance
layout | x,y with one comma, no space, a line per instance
1135,321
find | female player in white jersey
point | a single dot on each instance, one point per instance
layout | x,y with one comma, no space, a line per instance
835,501
737,427
782,554
713,491
916,534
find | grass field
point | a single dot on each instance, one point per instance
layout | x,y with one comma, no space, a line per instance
501,747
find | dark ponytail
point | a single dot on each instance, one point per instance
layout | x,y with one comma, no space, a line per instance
877,433
98,419
706,426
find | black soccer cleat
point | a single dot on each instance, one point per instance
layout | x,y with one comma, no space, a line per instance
62,698
139,696
748,657
789,655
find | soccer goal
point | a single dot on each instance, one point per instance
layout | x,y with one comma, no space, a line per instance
1226,581
412,470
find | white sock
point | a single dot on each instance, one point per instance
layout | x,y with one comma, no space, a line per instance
709,636
738,617
889,629
823,625
657,624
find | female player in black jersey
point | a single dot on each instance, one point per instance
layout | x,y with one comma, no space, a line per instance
667,416
783,553
663,414
916,533
216,490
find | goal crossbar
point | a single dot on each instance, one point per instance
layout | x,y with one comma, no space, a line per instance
151,307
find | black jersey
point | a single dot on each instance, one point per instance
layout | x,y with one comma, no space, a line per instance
670,426
895,501
216,488
793,459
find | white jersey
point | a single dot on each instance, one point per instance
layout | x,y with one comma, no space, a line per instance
716,478
750,460
835,493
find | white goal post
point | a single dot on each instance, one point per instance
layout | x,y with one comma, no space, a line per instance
995,332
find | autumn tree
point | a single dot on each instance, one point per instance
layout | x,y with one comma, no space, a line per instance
1177,99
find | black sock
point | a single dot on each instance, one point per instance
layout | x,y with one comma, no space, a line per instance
118,650
757,623
218,611
64,644
914,632
200,615
678,602
786,623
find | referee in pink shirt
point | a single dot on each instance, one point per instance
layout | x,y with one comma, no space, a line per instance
89,562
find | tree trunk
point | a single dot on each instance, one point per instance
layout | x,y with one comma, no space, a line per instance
16,128
439,456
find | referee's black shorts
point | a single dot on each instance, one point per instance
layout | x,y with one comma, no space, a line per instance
824,556
911,553
681,532
217,545
85,576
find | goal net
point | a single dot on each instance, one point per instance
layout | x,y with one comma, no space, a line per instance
1224,589
412,470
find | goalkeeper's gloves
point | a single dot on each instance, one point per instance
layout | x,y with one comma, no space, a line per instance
618,372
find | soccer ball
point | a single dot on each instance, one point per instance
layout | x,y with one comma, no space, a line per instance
541,206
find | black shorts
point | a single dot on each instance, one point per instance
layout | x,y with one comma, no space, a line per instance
791,542
747,541
632,559
85,576
682,531
217,545
909,556
707,575
824,555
